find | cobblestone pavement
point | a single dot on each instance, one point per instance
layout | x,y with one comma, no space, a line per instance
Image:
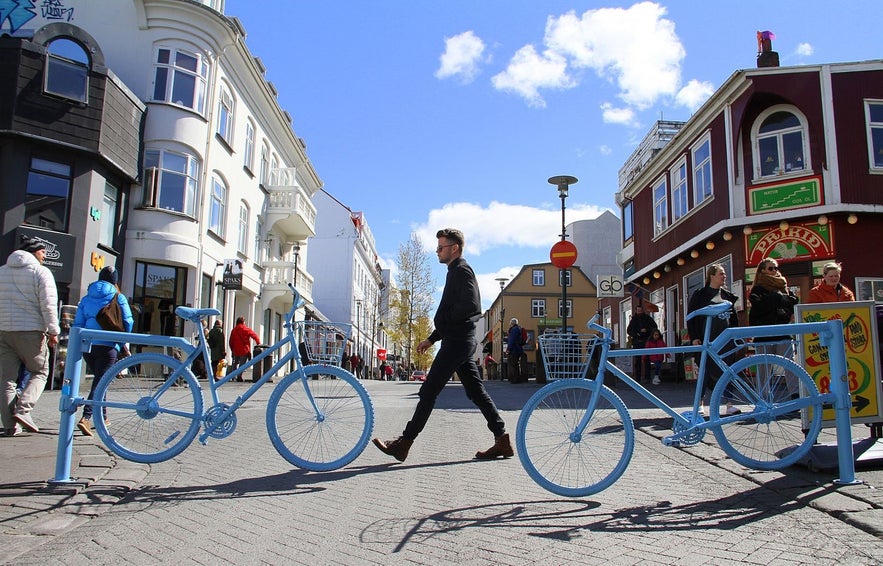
237,501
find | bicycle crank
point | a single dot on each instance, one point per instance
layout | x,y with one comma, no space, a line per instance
685,436
212,417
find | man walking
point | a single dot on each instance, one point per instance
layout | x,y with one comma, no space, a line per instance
240,344
28,328
217,351
459,309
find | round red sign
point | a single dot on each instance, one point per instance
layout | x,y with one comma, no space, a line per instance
563,254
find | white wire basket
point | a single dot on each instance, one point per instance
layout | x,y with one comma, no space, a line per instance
325,341
569,355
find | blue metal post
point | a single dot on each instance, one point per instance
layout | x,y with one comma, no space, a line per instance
69,391
842,400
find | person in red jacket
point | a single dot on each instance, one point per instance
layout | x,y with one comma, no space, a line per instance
830,290
240,345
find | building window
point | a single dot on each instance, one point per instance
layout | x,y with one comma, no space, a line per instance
158,290
702,188
217,212
264,173
660,207
628,231
692,282
539,278
180,78
868,289
48,194
779,137
225,116
569,309
171,181
538,308
67,71
874,117
109,222
680,198
242,240
248,157
564,278
260,251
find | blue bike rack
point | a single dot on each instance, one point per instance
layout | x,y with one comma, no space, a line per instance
80,341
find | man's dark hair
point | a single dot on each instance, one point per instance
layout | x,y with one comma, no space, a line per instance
452,234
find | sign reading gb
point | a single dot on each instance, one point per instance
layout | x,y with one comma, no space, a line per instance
609,286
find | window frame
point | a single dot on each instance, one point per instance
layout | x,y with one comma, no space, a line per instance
703,184
60,69
679,190
174,74
565,275
110,208
875,285
781,137
264,173
226,115
244,222
248,154
538,308
569,309
875,135
54,174
538,278
217,209
659,193
628,222
153,196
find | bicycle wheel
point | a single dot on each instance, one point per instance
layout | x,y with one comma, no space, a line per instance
559,459
770,391
320,419
147,417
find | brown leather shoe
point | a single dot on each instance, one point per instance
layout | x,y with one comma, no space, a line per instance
397,448
501,448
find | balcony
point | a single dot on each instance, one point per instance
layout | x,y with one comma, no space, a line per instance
274,286
290,209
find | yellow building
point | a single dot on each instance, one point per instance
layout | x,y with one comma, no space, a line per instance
534,297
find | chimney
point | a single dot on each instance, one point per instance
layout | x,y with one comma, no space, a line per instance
766,57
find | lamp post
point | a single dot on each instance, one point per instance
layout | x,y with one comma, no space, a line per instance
502,281
563,183
296,249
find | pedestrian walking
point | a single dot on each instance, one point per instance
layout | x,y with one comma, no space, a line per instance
515,349
103,354
28,328
216,346
458,311
240,344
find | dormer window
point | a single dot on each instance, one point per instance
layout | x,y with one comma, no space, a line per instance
67,71
780,144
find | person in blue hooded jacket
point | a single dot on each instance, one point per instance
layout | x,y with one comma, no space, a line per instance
103,354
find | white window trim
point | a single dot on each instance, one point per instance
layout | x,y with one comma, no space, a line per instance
226,101
697,167
660,227
681,187
755,149
870,127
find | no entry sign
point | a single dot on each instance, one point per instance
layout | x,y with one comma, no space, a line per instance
563,254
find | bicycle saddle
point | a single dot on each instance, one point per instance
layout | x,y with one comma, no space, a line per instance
194,315
713,309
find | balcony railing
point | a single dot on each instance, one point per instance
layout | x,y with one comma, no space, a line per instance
278,274
289,208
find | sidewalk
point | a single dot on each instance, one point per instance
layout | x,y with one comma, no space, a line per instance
31,507
33,510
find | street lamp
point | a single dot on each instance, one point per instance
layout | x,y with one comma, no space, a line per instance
502,281
563,183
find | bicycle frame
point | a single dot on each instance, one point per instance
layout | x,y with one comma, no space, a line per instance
830,334
81,340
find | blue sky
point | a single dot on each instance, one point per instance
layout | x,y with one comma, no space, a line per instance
456,112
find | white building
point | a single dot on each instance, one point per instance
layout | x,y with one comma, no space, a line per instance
224,177
347,274
598,243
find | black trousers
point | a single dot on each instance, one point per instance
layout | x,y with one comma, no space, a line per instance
454,355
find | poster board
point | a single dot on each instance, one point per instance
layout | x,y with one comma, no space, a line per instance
862,356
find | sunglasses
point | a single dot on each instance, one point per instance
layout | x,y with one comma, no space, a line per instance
772,268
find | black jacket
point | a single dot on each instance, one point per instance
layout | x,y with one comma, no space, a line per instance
702,298
770,307
640,327
460,305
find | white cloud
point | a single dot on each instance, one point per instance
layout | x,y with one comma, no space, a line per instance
500,224
461,58
804,50
529,71
624,116
605,149
635,48
694,94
